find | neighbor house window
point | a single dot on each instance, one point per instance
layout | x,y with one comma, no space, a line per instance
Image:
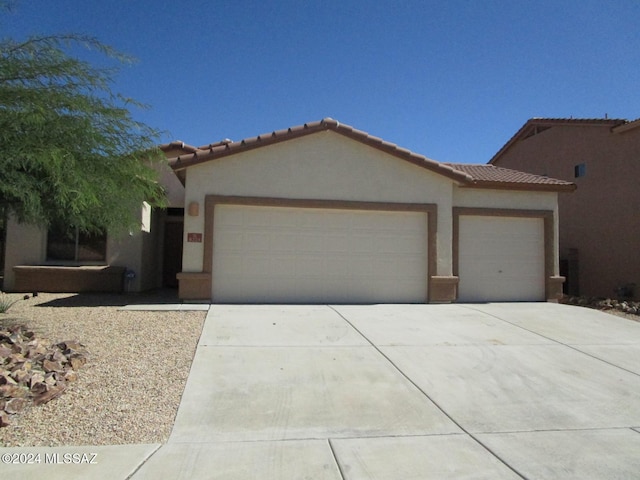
71,245
579,170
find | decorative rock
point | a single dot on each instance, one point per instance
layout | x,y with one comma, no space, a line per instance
626,306
50,379
71,345
57,356
39,388
4,419
15,405
13,391
21,375
36,377
5,379
52,366
54,392
77,361
32,371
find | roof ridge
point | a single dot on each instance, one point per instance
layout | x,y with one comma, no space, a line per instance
466,174
580,119
223,149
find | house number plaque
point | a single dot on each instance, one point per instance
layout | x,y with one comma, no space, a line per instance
194,237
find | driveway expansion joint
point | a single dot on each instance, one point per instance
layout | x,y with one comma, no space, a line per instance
426,395
157,449
557,342
335,459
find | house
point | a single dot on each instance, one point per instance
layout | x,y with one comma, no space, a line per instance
599,230
323,212
37,260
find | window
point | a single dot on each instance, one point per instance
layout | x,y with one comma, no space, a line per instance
71,245
579,170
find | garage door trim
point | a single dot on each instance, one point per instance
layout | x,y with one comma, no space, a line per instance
552,282
211,201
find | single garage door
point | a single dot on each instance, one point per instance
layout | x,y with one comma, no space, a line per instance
501,259
311,255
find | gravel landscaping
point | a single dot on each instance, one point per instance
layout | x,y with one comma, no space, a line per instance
129,389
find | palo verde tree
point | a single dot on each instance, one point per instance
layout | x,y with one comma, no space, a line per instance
70,151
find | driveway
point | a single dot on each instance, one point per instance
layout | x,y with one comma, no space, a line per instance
499,391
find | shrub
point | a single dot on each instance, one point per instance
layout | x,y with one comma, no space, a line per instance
6,302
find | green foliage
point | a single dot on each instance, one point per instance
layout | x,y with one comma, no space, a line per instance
70,151
6,302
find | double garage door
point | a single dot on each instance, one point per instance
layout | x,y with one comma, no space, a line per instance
316,255
323,255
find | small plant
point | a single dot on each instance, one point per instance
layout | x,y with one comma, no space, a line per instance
6,302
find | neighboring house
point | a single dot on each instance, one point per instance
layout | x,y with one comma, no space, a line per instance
599,228
325,213
150,257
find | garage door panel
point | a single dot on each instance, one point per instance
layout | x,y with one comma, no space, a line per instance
281,254
501,259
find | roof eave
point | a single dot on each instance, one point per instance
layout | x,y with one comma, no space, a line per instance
550,122
538,187
233,148
178,145
626,126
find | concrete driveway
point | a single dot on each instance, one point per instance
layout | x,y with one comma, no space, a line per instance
496,391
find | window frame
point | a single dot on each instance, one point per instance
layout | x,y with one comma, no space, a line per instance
580,170
77,248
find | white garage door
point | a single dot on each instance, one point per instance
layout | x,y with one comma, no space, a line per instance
501,259
308,255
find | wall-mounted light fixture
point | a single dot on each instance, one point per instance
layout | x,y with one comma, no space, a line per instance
194,209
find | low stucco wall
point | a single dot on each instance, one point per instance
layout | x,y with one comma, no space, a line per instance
68,279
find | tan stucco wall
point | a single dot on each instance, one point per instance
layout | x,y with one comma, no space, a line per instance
323,166
173,188
599,218
26,245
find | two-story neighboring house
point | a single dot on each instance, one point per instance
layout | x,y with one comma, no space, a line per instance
600,221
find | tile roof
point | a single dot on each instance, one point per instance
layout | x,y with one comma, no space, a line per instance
492,176
226,148
530,126
469,175
178,145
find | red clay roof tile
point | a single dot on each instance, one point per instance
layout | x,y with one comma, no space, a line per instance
490,175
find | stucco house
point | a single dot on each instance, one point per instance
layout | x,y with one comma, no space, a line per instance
599,230
37,260
315,213
323,212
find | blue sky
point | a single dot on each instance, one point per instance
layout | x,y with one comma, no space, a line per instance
452,80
